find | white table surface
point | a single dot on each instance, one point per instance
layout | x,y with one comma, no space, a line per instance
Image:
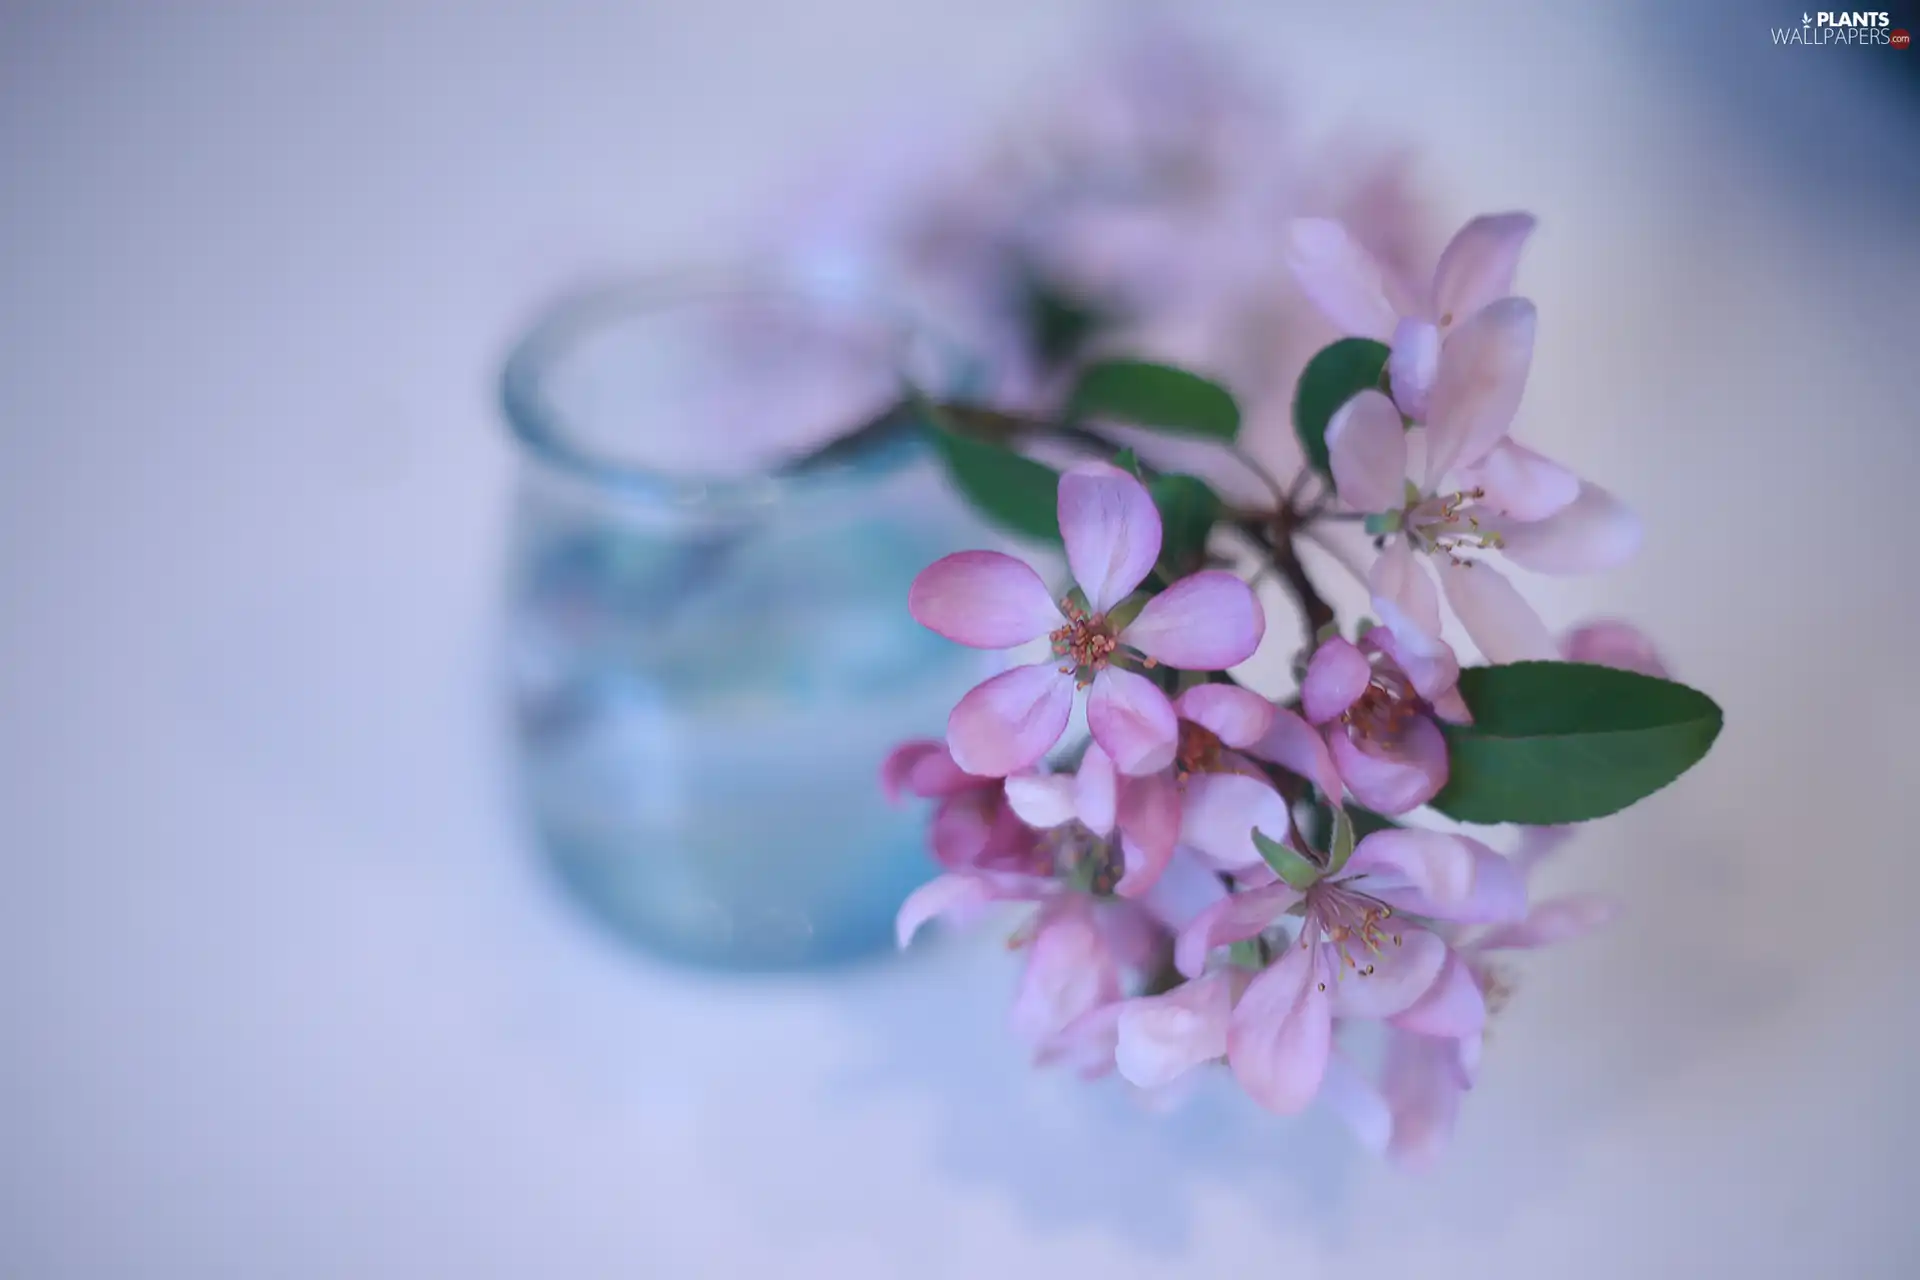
285,994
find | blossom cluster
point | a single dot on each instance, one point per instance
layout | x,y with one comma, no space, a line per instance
1221,876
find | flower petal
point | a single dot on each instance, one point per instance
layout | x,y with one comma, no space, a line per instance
943,895
1085,1044
1096,791
1112,531
1070,972
1149,816
1422,1089
1404,597
1135,937
1398,780
1133,721
983,599
1233,919
1499,890
1221,810
1337,674
1281,1031
1005,724
1502,624
1595,532
1184,889
1520,484
1401,974
1610,643
936,775
1294,744
1367,451
1478,264
1012,845
1483,374
1354,1099
1537,843
963,829
1042,800
1496,891
1430,664
1435,868
1412,364
1552,921
1207,621
1163,1037
1340,278
896,771
1452,1006
1238,717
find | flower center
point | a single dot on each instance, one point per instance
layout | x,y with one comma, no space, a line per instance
1087,642
1354,923
1082,858
1198,752
1445,524
1383,708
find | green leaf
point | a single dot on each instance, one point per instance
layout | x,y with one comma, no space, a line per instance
1155,395
1247,954
1188,510
1340,848
1128,461
1289,865
1015,492
1555,742
1334,376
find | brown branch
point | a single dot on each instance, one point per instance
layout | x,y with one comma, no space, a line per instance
1273,534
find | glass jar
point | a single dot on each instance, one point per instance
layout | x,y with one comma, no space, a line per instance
709,650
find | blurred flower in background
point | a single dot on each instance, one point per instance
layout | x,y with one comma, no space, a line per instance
1137,206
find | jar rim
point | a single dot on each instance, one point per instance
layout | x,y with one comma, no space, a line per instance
538,428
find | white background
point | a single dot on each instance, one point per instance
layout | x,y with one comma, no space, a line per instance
283,992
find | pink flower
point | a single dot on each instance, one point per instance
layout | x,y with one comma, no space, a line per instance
1153,1041
1412,1112
1533,511
1424,1076
1082,951
1081,813
1609,643
1348,961
1215,722
1220,811
1205,622
962,895
1475,270
1376,716
973,825
1461,351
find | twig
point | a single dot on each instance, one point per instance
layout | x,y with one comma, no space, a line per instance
1275,540
1266,477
